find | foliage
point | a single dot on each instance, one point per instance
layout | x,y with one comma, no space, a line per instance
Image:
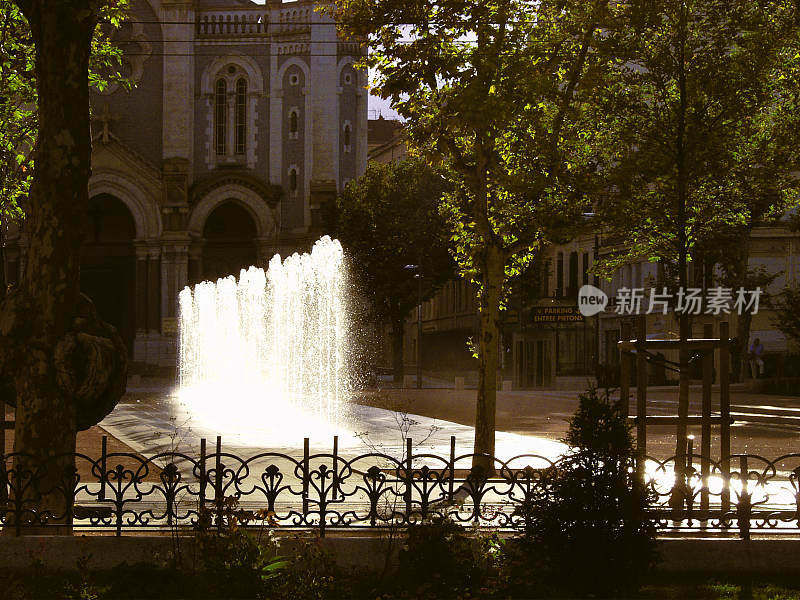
440,557
386,220
311,574
494,92
236,563
585,527
787,312
18,116
697,128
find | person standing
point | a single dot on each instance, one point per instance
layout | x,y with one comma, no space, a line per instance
756,360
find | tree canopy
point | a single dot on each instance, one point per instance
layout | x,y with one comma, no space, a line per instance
18,108
696,135
388,220
494,92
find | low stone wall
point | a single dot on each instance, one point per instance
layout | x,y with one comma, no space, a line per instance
707,556
758,556
61,553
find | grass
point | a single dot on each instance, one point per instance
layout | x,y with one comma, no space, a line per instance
776,588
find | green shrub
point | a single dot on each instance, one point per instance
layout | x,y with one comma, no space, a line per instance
585,529
441,557
311,574
233,562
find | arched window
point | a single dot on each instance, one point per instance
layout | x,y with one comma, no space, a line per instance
241,115
293,123
347,135
293,180
220,115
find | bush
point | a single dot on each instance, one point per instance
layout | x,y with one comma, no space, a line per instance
585,529
311,574
440,558
235,563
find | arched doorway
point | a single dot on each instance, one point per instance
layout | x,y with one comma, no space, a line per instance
108,264
229,235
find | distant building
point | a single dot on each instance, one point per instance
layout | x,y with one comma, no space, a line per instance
546,342
381,131
245,119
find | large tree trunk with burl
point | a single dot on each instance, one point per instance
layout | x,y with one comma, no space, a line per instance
493,269
59,355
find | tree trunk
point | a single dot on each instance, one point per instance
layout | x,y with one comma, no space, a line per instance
3,278
38,318
493,270
397,348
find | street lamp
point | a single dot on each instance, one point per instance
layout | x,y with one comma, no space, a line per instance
418,277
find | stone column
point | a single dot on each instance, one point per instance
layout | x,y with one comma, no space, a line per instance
195,272
174,276
140,339
323,164
179,77
153,304
324,85
275,120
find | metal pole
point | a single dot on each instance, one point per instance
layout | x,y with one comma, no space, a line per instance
705,434
419,329
641,394
725,416
625,371
596,282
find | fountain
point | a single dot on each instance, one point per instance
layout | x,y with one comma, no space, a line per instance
265,355
264,362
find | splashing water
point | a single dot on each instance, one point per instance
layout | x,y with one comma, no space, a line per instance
265,355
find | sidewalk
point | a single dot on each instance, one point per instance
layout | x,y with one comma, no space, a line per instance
90,443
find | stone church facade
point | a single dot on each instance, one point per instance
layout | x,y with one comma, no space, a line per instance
245,119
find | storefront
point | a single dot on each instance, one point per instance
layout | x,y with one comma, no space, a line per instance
557,342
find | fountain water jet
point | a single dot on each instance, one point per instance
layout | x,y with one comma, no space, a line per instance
265,355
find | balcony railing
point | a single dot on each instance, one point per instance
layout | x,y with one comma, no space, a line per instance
233,23
255,21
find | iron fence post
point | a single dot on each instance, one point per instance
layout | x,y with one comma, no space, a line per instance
687,478
218,500
408,479
743,506
335,467
452,468
305,478
103,466
202,499
725,418
705,434
641,392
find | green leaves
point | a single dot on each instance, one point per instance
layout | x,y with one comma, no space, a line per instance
18,119
388,219
701,103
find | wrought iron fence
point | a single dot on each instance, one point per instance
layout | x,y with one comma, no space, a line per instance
125,492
